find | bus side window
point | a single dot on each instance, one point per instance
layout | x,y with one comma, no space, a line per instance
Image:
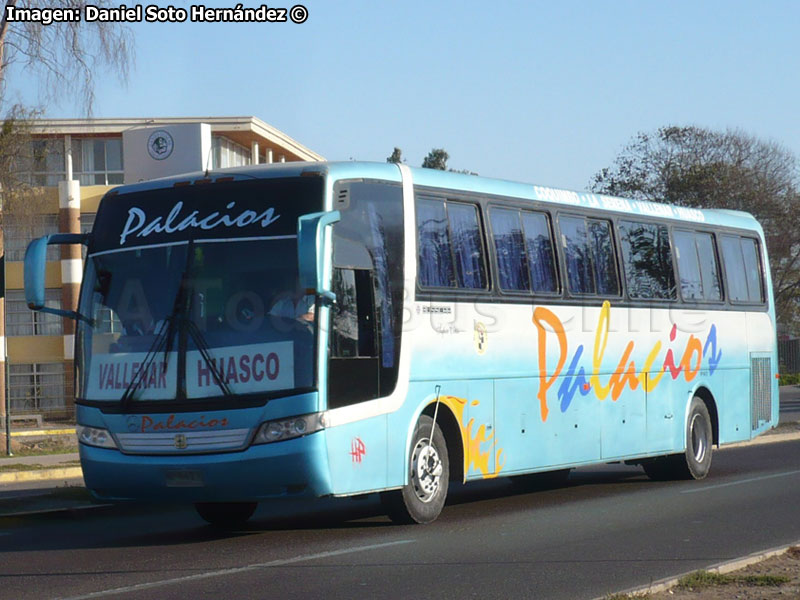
354,368
589,255
743,268
647,258
697,266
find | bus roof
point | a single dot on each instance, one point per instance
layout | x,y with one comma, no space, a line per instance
433,178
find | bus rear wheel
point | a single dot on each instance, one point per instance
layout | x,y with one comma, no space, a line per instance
226,514
421,499
695,462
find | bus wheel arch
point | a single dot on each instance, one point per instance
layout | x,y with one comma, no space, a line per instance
422,497
447,422
711,406
695,461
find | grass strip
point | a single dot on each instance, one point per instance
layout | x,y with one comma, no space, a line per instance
703,579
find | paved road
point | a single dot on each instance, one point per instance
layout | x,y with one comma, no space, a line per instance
609,529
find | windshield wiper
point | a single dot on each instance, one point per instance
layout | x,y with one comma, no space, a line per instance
177,321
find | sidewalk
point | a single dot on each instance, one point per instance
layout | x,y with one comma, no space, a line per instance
42,484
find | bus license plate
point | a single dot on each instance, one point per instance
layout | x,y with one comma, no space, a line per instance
184,478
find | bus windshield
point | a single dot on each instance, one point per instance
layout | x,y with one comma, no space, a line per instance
198,317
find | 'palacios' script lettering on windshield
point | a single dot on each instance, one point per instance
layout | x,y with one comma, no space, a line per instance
137,221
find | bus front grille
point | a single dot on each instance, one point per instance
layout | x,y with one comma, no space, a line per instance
188,442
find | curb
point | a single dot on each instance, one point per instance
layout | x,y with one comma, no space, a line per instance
766,439
42,432
662,585
41,475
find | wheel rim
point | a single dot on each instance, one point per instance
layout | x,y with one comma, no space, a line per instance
699,438
426,470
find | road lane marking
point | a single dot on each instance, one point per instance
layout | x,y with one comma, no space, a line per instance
721,485
235,570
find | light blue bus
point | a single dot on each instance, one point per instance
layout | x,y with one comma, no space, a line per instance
338,329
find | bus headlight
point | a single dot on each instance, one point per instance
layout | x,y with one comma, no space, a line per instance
286,429
94,436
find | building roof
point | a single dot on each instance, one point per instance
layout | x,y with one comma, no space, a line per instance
242,130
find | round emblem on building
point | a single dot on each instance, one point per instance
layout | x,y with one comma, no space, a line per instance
160,144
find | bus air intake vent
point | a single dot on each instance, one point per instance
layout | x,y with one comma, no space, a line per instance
761,389
183,442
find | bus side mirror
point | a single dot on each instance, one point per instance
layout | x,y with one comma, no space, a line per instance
310,251
35,263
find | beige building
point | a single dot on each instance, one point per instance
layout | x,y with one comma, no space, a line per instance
74,163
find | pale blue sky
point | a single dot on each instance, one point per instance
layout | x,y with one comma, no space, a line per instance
541,92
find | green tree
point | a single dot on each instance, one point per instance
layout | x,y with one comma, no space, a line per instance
698,167
436,159
396,157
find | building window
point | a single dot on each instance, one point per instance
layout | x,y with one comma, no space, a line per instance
97,161
36,387
227,153
20,230
44,166
21,320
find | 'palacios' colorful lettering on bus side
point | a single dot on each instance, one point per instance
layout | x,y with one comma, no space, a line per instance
625,374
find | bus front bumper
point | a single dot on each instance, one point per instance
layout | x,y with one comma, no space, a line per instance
297,467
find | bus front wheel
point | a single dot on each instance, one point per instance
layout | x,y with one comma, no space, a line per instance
695,462
226,514
422,498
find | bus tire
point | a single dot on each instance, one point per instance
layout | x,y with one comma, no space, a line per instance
695,462
226,514
422,498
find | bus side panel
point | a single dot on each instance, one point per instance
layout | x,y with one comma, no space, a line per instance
517,423
624,423
666,405
734,406
571,435
485,453
357,455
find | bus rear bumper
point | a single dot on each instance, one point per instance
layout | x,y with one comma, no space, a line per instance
297,467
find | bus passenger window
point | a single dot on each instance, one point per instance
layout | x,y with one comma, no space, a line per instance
577,255
435,259
605,264
648,261
688,266
709,266
541,258
509,245
742,267
697,266
467,245
590,258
